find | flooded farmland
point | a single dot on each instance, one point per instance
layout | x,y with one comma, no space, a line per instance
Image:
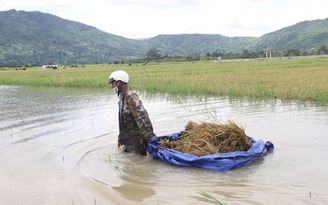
60,147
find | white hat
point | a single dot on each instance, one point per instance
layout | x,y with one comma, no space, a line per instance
118,75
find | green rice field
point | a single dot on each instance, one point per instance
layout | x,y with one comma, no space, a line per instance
302,79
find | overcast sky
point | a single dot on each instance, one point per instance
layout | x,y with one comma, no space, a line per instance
148,18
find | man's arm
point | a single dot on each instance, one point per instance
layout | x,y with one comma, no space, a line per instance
141,117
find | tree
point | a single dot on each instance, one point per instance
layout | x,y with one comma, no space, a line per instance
154,54
323,50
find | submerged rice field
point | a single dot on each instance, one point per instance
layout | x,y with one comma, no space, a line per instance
303,79
65,141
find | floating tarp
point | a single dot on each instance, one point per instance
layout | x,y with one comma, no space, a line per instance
218,162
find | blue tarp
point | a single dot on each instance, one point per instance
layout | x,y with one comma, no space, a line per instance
218,162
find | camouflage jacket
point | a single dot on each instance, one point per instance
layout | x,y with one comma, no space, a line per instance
136,129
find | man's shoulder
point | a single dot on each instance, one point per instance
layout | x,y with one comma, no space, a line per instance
130,95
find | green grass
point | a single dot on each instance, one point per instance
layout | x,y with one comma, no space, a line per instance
208,196
303,79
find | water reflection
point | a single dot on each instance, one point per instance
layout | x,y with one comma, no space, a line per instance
58,146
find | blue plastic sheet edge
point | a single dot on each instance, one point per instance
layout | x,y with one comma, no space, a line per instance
220,162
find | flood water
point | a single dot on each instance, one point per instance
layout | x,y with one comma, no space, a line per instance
59,147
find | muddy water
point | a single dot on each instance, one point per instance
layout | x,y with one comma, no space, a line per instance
59,147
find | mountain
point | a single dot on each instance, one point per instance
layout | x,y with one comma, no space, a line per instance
303,36
198,44
36,38
40,38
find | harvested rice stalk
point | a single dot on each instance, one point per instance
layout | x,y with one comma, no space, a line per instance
207,138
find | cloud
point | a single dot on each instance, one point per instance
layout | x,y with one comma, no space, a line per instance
154,4
147,18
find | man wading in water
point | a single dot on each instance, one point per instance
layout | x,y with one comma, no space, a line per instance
136,129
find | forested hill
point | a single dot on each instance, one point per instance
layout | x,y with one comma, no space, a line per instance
198,44
41,38
36,38
305,35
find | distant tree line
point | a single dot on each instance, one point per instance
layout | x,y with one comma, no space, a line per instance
268,53
155,55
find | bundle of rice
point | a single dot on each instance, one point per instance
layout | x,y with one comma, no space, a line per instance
207,138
